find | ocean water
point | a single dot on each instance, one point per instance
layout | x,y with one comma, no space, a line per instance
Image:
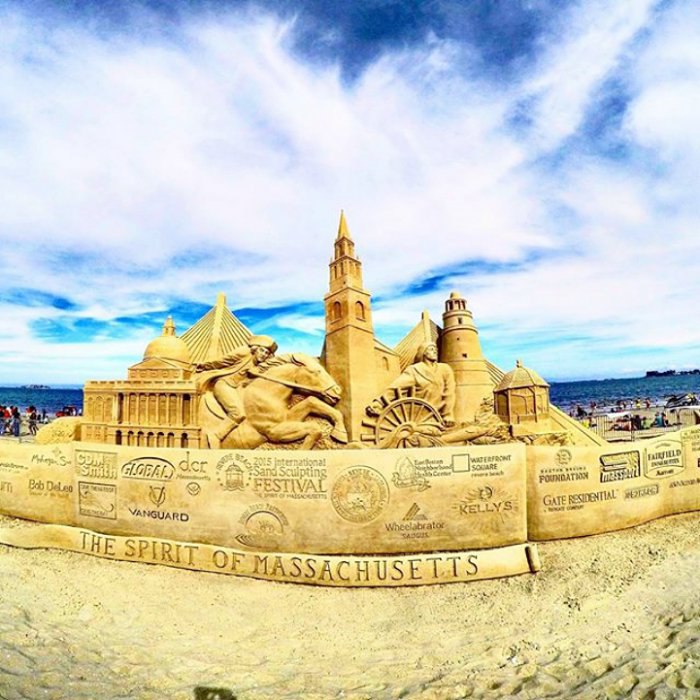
565,395
51,399
606,392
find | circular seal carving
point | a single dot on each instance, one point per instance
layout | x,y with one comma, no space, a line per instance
359,494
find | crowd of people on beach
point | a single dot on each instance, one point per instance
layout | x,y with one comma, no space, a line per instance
634,414
11,419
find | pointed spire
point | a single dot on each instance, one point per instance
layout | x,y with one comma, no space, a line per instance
169,326
343,231
216,334
427,327
219,313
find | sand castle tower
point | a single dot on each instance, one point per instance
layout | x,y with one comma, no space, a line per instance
460,348
522,400
350,353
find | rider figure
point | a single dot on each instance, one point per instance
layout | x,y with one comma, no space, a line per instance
433,382
235,372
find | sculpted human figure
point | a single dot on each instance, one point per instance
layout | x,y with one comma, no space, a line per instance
233,372
432,381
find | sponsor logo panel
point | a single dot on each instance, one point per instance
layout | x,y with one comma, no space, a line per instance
620,466
157,496
564,469
556,502
148,469
415,525
664,459
97,500
96,464
642,491
56,458
48,487
264,526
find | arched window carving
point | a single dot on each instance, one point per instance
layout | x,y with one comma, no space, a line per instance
359,310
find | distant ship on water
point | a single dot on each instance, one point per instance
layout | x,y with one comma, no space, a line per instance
35,386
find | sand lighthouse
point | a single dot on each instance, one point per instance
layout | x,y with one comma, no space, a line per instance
460,348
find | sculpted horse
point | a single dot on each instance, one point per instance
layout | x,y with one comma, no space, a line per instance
270,417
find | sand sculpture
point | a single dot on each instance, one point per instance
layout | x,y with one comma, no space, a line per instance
206,388
366,466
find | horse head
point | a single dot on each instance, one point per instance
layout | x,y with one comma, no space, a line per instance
311,378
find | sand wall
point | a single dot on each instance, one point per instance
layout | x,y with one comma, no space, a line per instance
587,491
331,502
334,517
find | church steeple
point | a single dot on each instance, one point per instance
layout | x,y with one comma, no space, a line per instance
349,347
345,268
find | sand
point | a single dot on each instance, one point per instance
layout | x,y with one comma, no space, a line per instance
611,616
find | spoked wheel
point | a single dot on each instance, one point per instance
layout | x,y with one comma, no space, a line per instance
404,421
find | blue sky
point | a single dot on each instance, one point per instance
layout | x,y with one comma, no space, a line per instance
540,157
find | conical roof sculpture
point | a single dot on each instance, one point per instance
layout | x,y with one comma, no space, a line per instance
580,435
216,334
520,377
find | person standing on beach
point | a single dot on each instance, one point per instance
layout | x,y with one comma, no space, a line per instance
32,421
16,421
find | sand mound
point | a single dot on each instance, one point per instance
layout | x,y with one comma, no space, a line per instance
612,616
60,430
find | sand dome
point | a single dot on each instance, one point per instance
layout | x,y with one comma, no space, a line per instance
522,396
168,346
519,378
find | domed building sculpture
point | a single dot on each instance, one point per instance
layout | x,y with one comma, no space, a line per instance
521,399
168,347
154,407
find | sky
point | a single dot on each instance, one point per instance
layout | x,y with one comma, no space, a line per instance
541,157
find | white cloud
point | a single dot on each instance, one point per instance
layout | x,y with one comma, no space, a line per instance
135,151
588,44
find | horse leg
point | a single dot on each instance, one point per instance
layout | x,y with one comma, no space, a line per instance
244,437
314,406
291,431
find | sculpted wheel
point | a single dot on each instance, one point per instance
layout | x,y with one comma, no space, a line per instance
404,421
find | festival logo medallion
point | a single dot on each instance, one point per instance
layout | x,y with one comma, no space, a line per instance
360,494
232,472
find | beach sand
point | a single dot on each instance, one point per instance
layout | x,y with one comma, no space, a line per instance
611,616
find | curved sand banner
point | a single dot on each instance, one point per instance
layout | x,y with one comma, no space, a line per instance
343,518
